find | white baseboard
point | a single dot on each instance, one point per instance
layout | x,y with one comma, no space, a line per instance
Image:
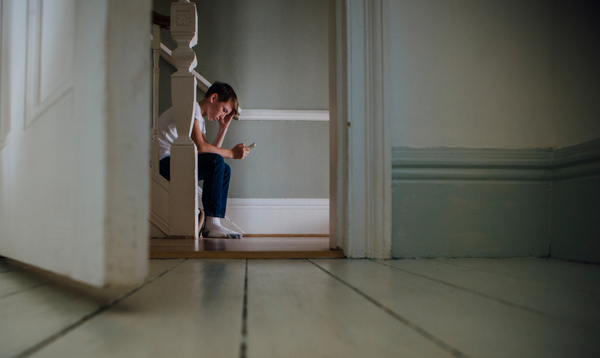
280,216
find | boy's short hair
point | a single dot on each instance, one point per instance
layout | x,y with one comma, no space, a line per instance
225,94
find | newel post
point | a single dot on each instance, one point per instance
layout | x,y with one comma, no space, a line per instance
183,200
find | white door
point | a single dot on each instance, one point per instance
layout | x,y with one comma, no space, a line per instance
74,137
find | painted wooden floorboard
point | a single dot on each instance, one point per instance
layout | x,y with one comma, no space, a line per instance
569,275
193,310
548,299
297,310
309,308
29,317
476,326
13,282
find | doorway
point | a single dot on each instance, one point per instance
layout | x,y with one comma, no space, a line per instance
286,196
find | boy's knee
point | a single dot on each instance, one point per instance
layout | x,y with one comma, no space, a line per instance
207,158
218,159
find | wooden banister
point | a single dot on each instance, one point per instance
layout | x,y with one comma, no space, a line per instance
163,21
182,198
174,204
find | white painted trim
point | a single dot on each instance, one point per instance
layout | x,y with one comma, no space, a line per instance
364,155
4,75
283,115
280,216
158,222
334,123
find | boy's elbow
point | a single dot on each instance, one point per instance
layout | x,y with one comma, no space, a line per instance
201,148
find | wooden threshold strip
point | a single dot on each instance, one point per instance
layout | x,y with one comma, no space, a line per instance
263,247
335,254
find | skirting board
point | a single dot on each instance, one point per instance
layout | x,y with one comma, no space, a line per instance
459,202
280,216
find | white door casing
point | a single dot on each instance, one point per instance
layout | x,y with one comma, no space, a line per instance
360,160
73,169
4,78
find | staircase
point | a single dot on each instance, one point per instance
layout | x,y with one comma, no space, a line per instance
174,205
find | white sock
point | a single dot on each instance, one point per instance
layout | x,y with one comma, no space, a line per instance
214,229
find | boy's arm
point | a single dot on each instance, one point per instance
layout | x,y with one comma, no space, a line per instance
223,126
237,152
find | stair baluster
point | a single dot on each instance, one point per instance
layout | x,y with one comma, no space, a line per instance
155,81
183,199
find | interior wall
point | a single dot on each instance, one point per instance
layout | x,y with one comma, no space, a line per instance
274,54
575,213
509,75
289,160
470,218
576,72
576,200
471,74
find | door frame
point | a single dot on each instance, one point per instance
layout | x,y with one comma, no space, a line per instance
360,149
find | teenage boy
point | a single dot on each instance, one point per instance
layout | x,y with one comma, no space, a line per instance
220,104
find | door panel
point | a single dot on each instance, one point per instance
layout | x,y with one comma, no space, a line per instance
67,203
50,54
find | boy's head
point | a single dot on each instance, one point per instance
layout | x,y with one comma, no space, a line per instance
221,93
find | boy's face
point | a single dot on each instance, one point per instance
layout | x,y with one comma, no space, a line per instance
216,110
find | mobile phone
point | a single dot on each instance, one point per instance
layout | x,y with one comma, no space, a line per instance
252,145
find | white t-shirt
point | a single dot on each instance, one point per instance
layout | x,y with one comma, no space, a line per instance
167,131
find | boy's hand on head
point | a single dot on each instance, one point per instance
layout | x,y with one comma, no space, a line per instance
240,151
225,121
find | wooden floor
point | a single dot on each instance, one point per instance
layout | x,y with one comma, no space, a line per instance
279,247
310,308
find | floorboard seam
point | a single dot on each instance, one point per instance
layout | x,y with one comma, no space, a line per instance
22,290
421,331
486,271
484,295
38,346
243,343
524,279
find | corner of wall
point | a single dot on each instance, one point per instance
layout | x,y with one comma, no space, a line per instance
497,203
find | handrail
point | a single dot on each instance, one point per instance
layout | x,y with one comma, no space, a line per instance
161,20
201,82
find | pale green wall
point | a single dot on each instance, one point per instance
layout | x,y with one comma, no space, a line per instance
292,165
494,74
576,201
576,72
497,202
497,74
483,218
472,73
576,219
274,54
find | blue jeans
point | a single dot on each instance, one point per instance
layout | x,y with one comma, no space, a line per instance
215,173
